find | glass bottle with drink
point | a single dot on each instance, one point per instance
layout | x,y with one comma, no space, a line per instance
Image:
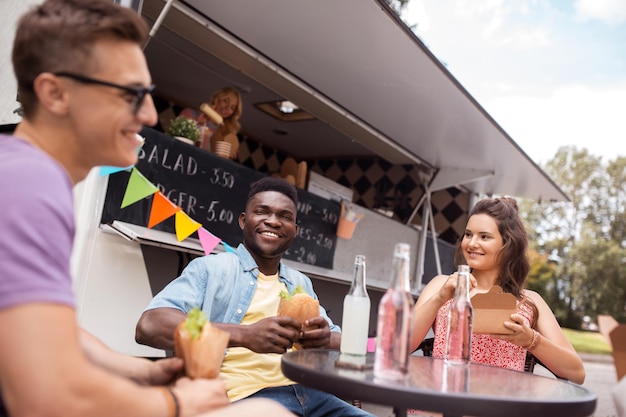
356,313
460,319
455,378
394,328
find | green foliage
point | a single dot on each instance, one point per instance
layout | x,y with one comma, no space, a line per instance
602,276
397,5
184,127
616,197
541,273
542,279
586,237
587,342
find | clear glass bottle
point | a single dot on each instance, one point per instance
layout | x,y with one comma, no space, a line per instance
460,319
455,378
394,327
356,312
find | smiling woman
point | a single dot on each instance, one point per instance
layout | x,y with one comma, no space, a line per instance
494,246
218,120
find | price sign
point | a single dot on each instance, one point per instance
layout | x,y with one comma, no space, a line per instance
213,191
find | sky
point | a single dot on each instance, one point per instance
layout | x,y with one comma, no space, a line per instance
551,73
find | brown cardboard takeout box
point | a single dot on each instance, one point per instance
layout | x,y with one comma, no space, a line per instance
491,310
615,335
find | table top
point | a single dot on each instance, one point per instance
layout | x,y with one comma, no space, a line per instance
432,385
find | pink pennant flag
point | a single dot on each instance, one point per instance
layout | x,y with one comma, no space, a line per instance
208,240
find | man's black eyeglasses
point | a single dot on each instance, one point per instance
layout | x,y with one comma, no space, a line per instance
138,93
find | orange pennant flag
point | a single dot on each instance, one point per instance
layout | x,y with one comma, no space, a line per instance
162,209
185,225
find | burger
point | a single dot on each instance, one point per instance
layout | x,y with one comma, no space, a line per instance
200,345
298,305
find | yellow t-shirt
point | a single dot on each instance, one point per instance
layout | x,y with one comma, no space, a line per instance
245,372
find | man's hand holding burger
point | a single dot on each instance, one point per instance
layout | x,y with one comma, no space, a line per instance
317,334
298,322
314,330
272,334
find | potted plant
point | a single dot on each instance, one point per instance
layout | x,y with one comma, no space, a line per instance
184,129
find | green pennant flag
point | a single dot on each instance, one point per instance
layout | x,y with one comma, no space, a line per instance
138,188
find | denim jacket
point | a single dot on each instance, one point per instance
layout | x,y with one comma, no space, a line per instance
223,285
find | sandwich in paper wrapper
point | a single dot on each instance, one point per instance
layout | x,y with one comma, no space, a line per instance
200,345
300,306
492,309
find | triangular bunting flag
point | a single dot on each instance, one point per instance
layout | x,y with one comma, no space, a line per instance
185,225
162,209
228,247
208,240
138,188
107,170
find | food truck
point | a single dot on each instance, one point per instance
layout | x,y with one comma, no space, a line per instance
375,122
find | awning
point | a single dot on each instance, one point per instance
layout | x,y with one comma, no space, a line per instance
356,67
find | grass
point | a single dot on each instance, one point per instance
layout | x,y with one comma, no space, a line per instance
587,342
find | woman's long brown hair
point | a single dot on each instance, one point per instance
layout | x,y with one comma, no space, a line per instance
513,256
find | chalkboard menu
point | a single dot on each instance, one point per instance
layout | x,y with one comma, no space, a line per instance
213,191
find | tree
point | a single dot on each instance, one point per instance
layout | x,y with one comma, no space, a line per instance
616,200
586,238
602,275
542,279
559,225
397,5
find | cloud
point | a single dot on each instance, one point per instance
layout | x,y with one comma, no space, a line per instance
575,114
494,22
548,79
612,12
528,38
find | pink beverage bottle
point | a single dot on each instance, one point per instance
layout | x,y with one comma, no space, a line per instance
394,327
455,378
460,320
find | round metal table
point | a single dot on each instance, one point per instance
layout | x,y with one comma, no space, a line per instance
475,390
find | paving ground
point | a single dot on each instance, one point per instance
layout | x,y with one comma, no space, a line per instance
601,379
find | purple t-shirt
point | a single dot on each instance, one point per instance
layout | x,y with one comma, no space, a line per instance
36,226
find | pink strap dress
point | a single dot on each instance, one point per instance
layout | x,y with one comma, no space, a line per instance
485,348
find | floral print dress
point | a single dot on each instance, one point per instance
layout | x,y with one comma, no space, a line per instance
486,349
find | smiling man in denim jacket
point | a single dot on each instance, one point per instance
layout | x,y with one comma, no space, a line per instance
239,293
